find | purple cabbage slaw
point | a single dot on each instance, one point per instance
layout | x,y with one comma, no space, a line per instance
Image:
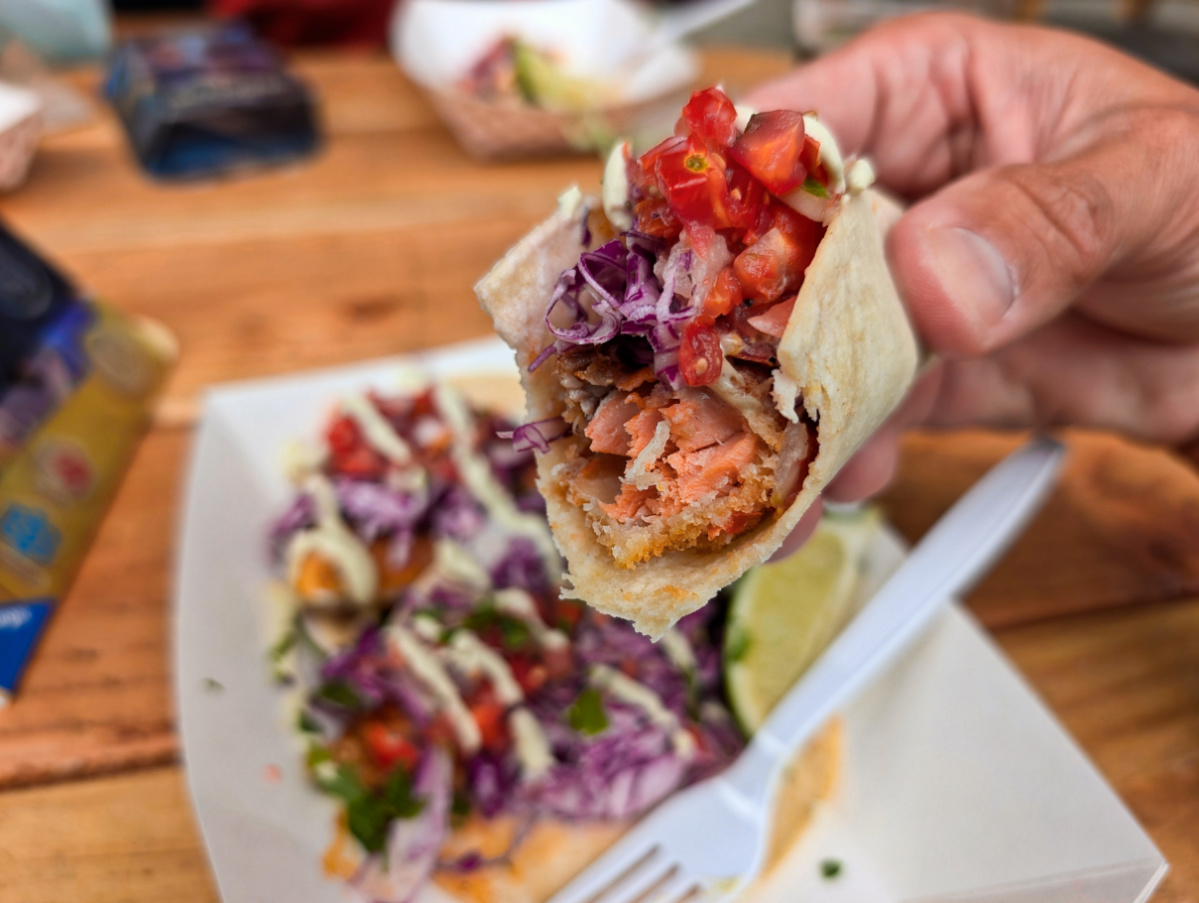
615,773
614,290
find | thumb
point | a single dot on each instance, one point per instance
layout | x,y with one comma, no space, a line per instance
994,255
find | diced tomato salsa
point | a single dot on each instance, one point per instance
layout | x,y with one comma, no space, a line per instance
709,177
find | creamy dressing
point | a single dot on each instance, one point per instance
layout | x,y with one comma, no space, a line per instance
830,154
678,650
482,484
532,746
615,187
472,656
859,176
302,458
426,668
332,541
378,433
570,202
638,694
427,627
452,561
517,603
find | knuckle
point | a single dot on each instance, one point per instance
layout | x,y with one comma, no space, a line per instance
1073,215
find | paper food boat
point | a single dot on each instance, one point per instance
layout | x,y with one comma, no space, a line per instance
958,783
614,42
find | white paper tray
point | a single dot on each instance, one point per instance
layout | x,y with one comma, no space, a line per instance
959,784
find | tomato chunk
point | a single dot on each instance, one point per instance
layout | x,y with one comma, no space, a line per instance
725,295
488,713
700,358
711,115
389,747
771,150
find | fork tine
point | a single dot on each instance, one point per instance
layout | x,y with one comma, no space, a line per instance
645,886
673,889
627,859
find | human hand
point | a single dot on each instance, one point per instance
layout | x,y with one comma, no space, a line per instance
1051,254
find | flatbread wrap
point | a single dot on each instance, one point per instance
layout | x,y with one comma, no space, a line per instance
702,349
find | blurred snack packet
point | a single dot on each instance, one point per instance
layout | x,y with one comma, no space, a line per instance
209,100
78,382
525,77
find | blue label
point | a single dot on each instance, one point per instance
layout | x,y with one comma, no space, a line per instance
29,532
21,624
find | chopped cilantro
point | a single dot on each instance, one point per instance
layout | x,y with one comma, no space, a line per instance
586,715
513,632
284,645
306,723
212,685
340,693
368,813
830,869
811,186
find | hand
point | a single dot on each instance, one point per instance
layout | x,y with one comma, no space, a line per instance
1050,257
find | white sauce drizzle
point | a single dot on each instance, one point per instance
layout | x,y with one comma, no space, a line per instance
480,481
625,688
516,602
378,433
334,542
532,746
830,154
615,187
472,656
570,202
678,650
426,668
859,176
452,561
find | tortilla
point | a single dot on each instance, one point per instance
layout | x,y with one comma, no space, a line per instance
848,350
552,853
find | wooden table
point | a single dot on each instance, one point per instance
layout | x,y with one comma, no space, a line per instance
370,250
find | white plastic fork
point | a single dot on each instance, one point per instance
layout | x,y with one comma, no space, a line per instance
709,841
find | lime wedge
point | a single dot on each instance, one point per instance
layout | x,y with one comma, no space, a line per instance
783,615
543,83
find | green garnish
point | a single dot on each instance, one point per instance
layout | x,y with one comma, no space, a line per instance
307,724
340,693
830,869
212,685
368,813
284,645
811,186
513,632
586,714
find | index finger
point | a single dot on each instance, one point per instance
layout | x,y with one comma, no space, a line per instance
908,95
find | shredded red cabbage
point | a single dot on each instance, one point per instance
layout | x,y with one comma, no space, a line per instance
537,435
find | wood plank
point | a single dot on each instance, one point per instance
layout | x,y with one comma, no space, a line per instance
1121,528
97,697
122,839
1126,685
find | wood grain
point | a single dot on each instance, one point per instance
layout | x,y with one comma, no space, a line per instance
1121,528
125,839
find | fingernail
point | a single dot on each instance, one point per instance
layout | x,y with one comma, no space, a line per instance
972,272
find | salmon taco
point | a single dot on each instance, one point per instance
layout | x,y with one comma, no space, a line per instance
703,346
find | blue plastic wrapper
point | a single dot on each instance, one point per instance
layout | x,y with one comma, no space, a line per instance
207,101
78,382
